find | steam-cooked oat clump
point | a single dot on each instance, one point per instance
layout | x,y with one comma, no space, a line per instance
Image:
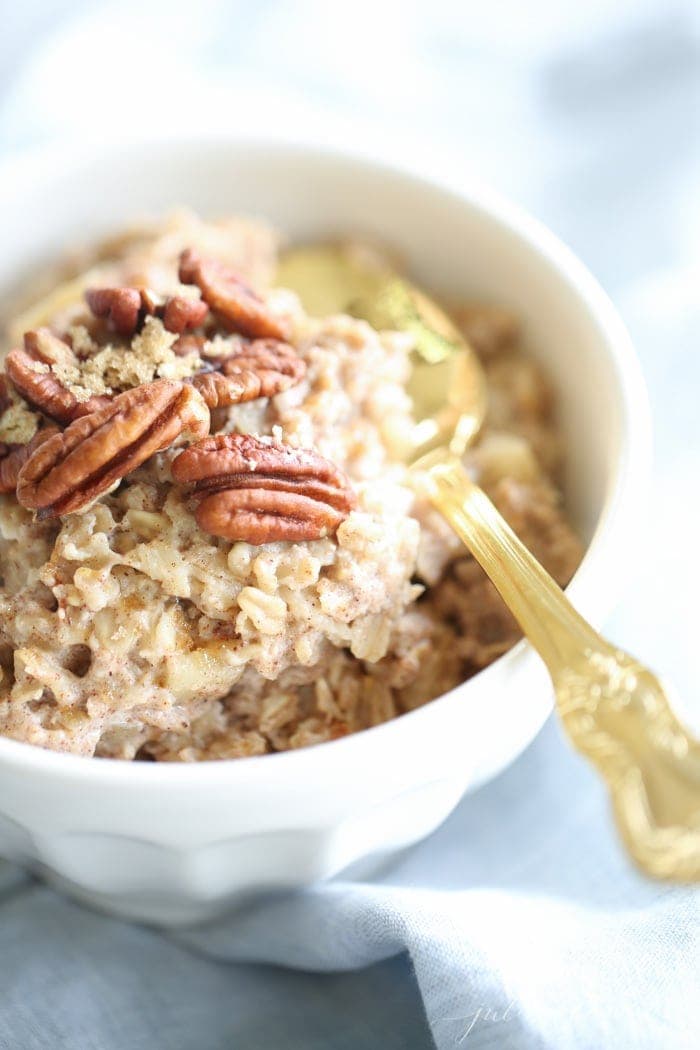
210,547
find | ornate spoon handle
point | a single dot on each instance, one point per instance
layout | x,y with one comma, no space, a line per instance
614,710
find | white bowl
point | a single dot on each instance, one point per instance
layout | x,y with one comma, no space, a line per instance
172,843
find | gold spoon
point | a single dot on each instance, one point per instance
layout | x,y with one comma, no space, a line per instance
614,710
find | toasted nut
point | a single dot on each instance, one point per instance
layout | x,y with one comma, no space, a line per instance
218,390
5,399
125,308
234,460
262,368
13,457
227,294
47,347
188,344
266,357
260,492
181,314
190,266
258,516
70,470
31,373
120,307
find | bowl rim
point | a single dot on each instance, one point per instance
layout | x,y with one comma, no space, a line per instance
626,491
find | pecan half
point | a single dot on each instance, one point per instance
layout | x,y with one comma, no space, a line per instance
72,469
13,457
188,344
181,314
227,294
218,390
120,307
5,399
262,492
262,368
31,373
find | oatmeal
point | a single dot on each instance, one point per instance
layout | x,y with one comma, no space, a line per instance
210,546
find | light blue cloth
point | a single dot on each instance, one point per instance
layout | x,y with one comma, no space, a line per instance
522,921
518,924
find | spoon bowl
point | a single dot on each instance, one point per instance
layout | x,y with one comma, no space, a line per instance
447,383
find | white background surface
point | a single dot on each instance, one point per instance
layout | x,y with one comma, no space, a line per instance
587,114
